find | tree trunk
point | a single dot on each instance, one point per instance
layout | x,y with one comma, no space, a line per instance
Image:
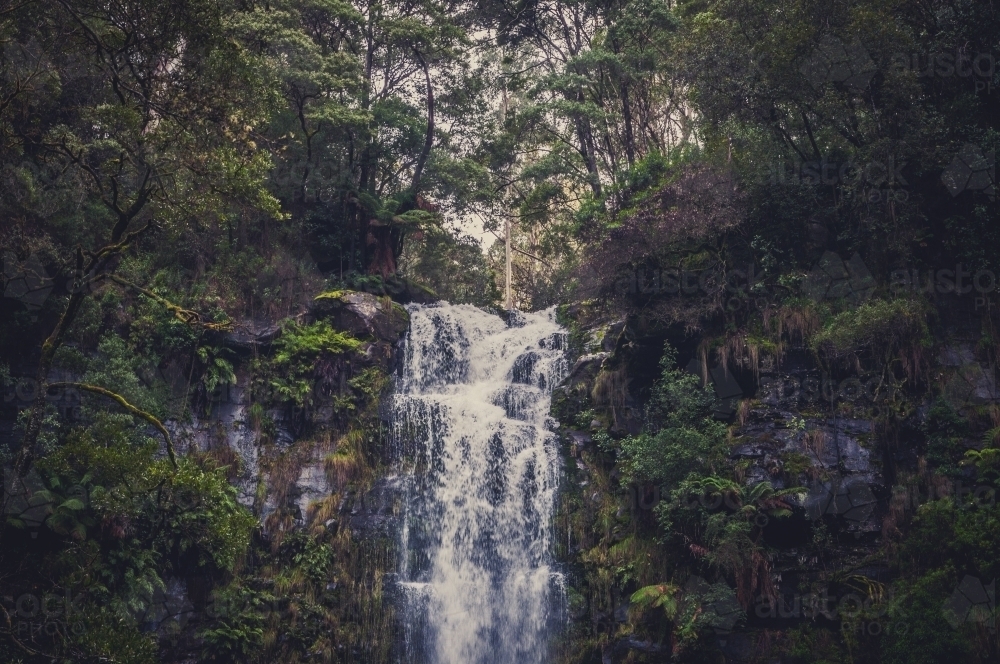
627,119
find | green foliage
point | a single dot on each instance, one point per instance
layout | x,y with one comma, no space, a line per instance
946,432
296,352
313,557
682,438
947,532
237,630
67,498
453,267
201,515
102,635
881,326
137,137
371,383
218,367
118,368
298,342
127,519
659,596
928,638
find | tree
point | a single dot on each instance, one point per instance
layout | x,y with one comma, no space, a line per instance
136,120
361,83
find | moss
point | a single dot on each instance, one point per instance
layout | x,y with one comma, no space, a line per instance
332,295
304,341
885,324
795,464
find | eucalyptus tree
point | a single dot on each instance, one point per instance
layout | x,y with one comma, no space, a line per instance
588,93
363,84
845,117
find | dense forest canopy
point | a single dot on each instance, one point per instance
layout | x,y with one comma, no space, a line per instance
190,189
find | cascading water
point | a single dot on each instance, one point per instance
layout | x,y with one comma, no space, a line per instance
470,421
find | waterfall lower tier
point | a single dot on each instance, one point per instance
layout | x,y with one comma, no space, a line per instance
470,425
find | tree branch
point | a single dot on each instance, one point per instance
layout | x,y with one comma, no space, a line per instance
184,315
138,412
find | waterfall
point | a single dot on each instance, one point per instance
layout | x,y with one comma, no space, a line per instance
470,424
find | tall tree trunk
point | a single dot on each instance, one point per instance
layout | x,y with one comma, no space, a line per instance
627,119
587,151
429,137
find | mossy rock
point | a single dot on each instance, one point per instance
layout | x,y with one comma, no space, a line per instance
362,314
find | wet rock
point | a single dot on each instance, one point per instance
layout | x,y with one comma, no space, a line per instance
166,610
578,440
362,314
612,336
381,354
621,612
585,369
956,355
251,336
623,646
226,424
553,341
965,381
312,485
374,513
737,647
406,291
728,391
850,498
524,368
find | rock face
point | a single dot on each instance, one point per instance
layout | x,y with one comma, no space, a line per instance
795,426
251,336
227,429
227,426
828,457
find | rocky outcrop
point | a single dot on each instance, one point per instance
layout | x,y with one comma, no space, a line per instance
251,336
361,314
225,426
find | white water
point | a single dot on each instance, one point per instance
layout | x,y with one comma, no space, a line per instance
470,417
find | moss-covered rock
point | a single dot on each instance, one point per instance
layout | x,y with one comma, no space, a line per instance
362,314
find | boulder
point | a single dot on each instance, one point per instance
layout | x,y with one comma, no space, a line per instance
362,314
250,336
